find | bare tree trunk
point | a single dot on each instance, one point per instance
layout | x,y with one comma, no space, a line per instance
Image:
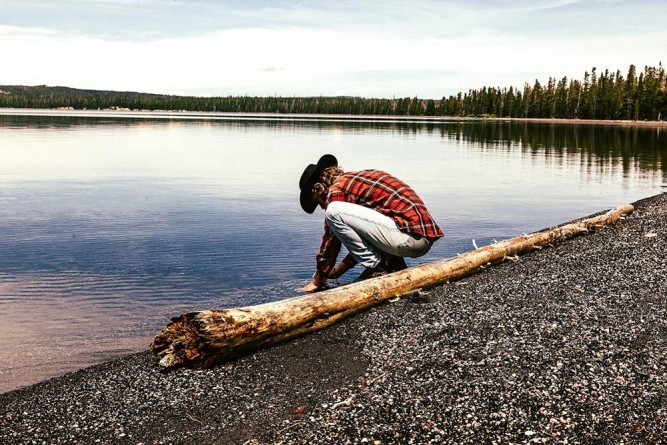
202,339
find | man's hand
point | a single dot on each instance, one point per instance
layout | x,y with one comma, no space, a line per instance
311,287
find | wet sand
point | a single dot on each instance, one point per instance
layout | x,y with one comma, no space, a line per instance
564,345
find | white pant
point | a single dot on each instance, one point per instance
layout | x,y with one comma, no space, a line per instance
365,233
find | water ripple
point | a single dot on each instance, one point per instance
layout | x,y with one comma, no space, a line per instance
107,230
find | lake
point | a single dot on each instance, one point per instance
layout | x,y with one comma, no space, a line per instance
111,223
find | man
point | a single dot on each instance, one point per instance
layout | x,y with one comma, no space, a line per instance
378,218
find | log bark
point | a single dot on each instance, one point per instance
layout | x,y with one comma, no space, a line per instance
206,338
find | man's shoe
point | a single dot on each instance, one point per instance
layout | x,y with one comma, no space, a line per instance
372,272
388,264
393,263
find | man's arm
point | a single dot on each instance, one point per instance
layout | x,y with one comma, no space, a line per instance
337,272
325,259
329,250
348,263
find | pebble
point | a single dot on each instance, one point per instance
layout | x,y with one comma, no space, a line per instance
564,345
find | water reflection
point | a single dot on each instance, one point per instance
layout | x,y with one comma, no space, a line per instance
602,142
110,225
643,148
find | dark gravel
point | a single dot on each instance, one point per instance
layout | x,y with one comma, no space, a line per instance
564,345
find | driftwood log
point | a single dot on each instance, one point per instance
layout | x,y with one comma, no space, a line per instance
202,339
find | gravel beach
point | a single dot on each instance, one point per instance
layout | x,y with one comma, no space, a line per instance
564,345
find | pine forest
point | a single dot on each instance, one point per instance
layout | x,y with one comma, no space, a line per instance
598,95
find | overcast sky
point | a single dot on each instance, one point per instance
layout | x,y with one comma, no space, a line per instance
386,48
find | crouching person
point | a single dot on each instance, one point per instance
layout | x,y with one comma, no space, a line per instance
377,217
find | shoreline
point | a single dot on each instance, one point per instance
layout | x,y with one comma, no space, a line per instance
182,114
566,344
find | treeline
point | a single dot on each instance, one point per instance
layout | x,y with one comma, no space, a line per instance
606,95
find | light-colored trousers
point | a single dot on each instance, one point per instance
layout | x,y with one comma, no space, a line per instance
365,233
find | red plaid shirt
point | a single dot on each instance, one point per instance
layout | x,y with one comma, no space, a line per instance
381,192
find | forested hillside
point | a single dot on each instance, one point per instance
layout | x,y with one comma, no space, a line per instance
605,95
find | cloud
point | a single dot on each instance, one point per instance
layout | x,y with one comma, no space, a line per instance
18,33
431,50
545,5
271,69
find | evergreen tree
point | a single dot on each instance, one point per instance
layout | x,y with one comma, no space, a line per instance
607,95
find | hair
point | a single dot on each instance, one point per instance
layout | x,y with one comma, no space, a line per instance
326,179
329,174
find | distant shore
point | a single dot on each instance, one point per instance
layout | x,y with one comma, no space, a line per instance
124,112
562,345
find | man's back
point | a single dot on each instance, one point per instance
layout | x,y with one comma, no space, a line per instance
388,195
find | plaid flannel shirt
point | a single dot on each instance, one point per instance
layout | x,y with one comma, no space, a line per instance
381,192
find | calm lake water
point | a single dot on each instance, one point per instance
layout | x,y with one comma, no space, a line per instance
110,225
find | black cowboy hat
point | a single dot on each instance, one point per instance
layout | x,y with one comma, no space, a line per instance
309,177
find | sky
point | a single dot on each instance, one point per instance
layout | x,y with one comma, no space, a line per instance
386,48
